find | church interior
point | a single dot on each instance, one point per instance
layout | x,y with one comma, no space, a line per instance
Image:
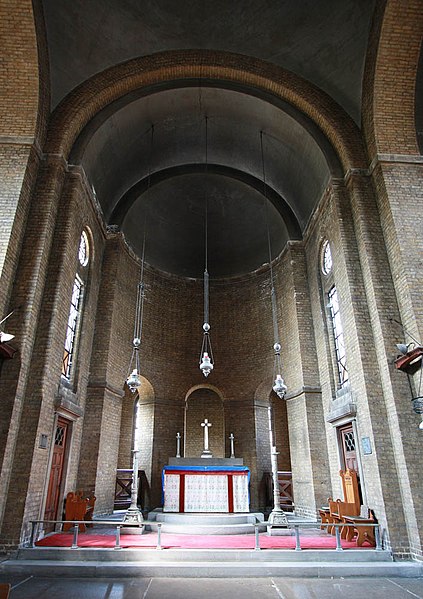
211,251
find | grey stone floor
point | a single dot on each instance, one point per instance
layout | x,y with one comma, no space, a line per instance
215,588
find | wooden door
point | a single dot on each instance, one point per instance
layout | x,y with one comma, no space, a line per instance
56,472
348,448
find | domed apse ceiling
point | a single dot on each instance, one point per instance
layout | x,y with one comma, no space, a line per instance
162,173
175,215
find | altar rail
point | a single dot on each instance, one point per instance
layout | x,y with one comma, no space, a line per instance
296,528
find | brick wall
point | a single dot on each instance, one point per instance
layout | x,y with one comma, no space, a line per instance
201,404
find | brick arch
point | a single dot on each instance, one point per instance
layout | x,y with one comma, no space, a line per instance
86,101
264,390
204,386
391,69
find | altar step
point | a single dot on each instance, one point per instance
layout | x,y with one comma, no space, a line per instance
214,563
205,523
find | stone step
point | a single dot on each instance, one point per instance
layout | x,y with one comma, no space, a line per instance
205,518
205,523
174,554
236,565
205,529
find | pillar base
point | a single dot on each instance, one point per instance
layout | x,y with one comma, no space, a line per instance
277,518
135,517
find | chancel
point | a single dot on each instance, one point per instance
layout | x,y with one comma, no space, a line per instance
243,173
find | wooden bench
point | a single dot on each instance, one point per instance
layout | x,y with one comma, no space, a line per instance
78,507
339,510
358,527
336,510
349,512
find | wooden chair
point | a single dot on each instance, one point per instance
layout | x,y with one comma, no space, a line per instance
78,507
90,510
350,487
4,590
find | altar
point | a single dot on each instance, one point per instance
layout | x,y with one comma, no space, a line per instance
218,486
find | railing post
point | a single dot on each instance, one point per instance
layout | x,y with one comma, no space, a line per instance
338,538
159,535
377,538
297,538
257,538
75,537
117,544
31,540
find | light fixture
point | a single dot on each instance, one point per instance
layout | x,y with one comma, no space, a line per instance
277,516
403,348
279,386
206,354
410,361
134,380
5,337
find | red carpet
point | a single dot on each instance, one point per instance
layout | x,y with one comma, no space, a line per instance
169,541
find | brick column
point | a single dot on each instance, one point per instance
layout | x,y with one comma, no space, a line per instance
392,278
109,364
309,459
362,279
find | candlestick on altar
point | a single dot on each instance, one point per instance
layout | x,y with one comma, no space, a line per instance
231,439
206,451
178,445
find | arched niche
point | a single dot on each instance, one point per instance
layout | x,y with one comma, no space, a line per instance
137,425
204,401
281,431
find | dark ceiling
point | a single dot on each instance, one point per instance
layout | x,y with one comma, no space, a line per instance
324,42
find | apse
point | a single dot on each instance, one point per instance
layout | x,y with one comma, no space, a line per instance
153,164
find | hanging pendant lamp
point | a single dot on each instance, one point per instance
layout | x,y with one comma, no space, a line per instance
134,378
279,386
206,354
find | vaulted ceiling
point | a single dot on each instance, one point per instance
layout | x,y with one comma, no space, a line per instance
154,160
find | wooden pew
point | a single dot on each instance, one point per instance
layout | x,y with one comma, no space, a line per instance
364,533
78,507
349,512
349,507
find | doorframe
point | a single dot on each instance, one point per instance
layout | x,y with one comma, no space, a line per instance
65,416
353,423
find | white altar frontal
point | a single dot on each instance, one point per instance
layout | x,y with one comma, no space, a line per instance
206,485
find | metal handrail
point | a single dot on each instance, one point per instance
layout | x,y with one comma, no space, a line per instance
295,526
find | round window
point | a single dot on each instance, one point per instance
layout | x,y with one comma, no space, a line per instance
83,252
326,258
